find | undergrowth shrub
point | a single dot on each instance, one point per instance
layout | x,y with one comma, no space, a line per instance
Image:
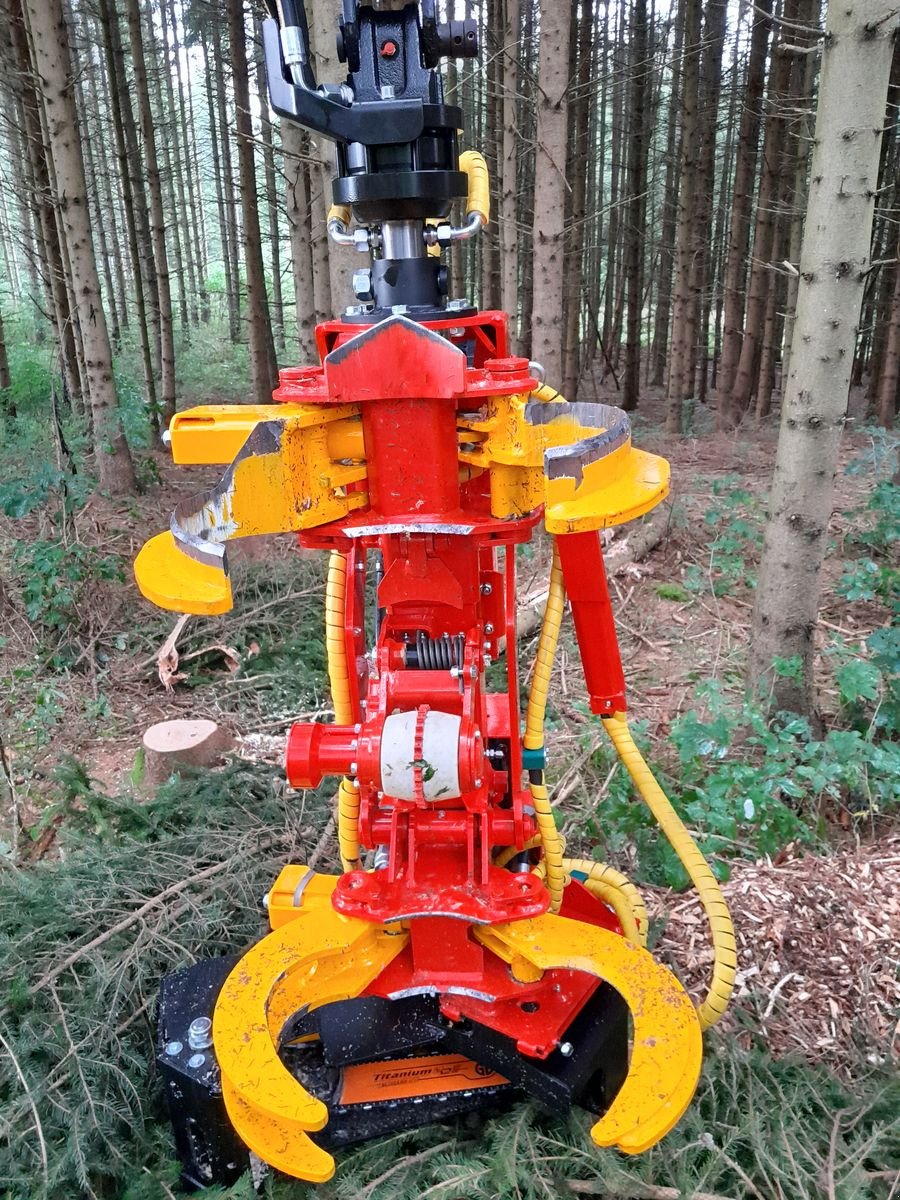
748,783
140,890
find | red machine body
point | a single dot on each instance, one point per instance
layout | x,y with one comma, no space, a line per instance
446,594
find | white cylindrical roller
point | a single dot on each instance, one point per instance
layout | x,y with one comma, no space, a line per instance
439,759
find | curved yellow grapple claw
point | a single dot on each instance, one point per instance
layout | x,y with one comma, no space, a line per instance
316,958
667,1049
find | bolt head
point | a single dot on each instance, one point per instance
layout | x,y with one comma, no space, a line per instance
362,284
200,1033
173,1049
566,1049
487,589
445,237
196,1060
489,628
361,239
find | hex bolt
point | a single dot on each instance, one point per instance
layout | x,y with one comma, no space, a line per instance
200,1033
486,589
196,1060
489,628
566,1049
173,1048
265,901
362,285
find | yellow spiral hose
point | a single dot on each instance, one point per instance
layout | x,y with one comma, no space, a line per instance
724,949
534,734
339,678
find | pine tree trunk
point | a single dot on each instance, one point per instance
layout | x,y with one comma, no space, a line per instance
663,309
157,216
856,59
171,178
215,142
509,187
119,98
51,60
296,180
577,176
801,178
549,189
192,186
641,82
271,199
765,233
338,261
889,373
5,377
681,383
228,186
741,207
38,158
263,364
710,91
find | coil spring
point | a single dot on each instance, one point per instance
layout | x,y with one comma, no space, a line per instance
439,654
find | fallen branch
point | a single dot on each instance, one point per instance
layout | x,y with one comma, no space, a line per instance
139,913
637,1191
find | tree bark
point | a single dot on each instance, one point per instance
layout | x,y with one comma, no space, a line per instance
157,216
765,233
640,85
119,99
856,60
741,206
38,157
549,189
5,377
663,309
263,364
293,140
889,374
268,142
228,189
51,58
509,187
681,383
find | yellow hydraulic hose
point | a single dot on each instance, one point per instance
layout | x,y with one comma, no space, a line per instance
725,953
339,678
475,168
548,394
616,890
348,824
534,734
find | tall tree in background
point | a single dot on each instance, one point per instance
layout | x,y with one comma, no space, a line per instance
50,46
856,61
263,364
636,201
547,326
160,254
681,381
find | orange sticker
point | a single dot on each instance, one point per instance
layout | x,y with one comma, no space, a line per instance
402,1078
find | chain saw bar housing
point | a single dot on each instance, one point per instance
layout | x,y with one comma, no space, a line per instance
396,141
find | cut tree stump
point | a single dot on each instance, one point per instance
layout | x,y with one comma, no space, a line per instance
169,745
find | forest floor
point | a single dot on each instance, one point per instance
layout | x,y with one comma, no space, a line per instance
798,820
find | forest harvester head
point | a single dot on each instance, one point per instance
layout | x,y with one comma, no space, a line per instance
461,962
